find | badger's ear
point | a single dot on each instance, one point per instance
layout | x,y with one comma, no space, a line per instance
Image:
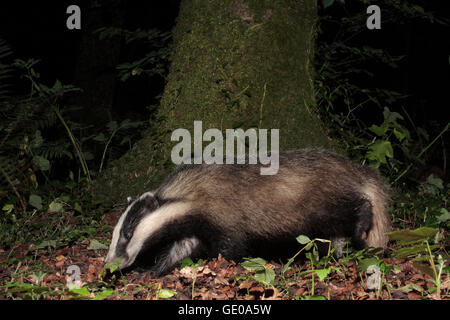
150,201
130,200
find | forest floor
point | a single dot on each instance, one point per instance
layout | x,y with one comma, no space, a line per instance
38,272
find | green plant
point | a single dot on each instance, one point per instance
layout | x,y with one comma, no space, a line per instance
346,90
113,128
152,63
264,273
415,244
164,293
187,262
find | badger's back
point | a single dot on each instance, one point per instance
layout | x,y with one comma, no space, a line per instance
314,192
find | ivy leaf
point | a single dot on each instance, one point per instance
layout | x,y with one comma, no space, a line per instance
379,130
35,201
379,151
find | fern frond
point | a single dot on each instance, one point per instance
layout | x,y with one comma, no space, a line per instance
5,70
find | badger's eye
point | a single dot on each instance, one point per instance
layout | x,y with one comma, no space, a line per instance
127,235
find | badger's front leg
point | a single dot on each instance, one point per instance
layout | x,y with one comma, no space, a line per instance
180,249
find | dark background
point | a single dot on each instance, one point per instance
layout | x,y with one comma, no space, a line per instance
38,30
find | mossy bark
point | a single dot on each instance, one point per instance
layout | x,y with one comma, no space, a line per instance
239,63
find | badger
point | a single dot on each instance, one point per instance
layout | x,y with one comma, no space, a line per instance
202,210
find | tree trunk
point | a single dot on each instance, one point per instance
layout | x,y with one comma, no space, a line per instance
240,63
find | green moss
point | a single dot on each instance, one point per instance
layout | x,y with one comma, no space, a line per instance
239,64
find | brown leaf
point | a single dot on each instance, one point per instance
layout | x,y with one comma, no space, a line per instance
218,280
276,295
300,292
91,276
414,296
256,289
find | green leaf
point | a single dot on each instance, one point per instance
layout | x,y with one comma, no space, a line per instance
379,151
406,235
414,250
410,287
82,292
391,117
46,244
35,201
303,239
187,262
165,293
8,208
445,216
254,264
379,131
96,245
365,263
77,207
266,277
322,273
437,182
399,134
314,298
113,266
55,206
104,294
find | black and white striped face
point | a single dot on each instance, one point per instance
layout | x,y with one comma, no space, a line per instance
143,218
122,247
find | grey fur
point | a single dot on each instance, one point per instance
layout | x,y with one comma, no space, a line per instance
233,210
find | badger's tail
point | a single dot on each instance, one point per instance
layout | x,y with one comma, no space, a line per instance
377,192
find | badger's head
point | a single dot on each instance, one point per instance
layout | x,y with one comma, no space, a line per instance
132,229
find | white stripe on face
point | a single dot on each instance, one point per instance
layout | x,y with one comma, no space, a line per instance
151,224
111,256
115,237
